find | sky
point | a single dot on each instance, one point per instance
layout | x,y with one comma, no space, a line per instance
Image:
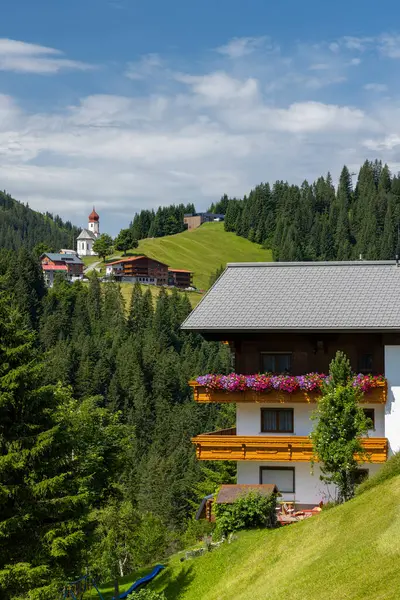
132,104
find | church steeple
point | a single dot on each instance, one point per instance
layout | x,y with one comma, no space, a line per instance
94,222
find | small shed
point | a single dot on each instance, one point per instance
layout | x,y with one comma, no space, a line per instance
230,492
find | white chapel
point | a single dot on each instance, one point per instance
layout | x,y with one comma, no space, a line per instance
84,241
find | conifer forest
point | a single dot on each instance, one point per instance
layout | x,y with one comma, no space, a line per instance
96,417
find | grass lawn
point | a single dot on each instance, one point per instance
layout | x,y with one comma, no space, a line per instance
203,250
349,552
89,260
107,590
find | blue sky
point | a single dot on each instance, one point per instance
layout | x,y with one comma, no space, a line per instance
129,104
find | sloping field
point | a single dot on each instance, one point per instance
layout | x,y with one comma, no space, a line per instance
203,251
349,552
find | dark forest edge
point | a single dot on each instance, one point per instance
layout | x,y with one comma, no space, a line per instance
20,226
97,469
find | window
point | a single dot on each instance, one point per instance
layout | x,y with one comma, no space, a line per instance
282,477
277,420
275,363
365,363
370,414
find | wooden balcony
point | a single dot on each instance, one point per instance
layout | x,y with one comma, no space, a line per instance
202,394
226,445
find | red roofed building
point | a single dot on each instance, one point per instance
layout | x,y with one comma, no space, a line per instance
180,278
69,264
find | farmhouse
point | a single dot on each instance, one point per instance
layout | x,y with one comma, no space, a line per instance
195,220
180,278
68,264
140,269
291,319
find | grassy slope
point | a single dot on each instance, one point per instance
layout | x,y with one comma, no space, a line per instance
125,583
203,250
350,552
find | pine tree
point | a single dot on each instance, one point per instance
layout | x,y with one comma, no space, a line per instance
135,317
389,238
41,511
340,216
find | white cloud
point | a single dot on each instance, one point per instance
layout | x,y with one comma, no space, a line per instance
334,47
389,45
240,47
319,67
217,87
22,57
376,87
308,117
357,43
144,68
194,138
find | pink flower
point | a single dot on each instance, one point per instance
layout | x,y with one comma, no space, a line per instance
265,382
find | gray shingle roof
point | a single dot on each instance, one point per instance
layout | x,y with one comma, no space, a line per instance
85,234
301,296
70,258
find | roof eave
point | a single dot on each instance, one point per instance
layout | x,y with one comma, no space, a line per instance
215,330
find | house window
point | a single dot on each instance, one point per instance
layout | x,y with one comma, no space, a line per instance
275,363
277,420
370,414
282,477
365,363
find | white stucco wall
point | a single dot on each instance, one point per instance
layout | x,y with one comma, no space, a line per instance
248,418
392,409
309,489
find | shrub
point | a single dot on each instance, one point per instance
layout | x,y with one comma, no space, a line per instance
389,470
247,512
152,539
145,594
196,531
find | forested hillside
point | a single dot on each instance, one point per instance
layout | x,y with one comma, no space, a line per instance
20,226
95,425
166,220
316,222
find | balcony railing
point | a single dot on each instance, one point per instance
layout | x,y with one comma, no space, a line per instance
203,394
226,445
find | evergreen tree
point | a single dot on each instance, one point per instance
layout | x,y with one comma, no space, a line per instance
42,505
135,318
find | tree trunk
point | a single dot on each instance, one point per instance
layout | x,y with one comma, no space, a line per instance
116,588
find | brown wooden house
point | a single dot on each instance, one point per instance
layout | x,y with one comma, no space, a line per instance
180,278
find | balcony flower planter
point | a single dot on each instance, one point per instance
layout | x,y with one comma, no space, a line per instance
267,388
